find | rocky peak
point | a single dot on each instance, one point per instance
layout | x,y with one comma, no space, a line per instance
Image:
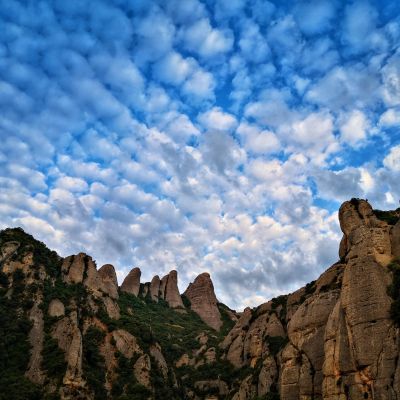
203,300
81,268
155,288
131,283
109,278
169,290
364,234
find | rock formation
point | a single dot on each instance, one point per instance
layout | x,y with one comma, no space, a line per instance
65,328
203,300
131,283
169,290
155,288
109,278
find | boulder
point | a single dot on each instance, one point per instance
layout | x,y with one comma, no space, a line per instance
56,308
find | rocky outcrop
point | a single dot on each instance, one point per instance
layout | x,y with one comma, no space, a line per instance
333,339
169,290
131,283
155,288
69,339
81,268
361,341
341,341
142,369
203,300
56,308
126,343
109,279
36,337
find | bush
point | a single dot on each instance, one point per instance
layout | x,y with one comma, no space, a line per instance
53,359
93,362
15,353
276,344
391,217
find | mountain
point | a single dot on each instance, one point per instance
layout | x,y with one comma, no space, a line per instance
67,331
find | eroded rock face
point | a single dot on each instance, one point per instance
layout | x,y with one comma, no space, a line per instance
170,290
203,300
155,288
126,343
56,308
131,283
364,233
142,370
109,278
8,249
81,268
69,339
36,336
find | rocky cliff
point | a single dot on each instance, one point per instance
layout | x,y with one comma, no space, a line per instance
68,331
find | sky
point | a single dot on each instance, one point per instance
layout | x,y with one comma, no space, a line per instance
198,135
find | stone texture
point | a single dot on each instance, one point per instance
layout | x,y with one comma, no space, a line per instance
126,343
395,237
203,300
69,338
155,288
155,352
215,385
36,336
81,268
56,308
171,291
109,278
142,369
131,283
8,249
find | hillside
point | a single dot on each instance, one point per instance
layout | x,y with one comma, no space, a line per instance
69,332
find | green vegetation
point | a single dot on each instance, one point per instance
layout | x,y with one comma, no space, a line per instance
53,359
147,320
41,254
391,217
227,323
309,289
394,291
15,350
93,362
276,343
280,301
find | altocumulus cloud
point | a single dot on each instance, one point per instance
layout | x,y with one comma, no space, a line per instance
198,135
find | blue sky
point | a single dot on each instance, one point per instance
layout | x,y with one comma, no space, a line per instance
216,136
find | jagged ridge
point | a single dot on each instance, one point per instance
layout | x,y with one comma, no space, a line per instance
335,338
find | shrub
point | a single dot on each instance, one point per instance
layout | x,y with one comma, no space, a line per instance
93,362
53,359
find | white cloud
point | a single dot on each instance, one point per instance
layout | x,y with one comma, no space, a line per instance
201,38
217,119
354,128
200,85
392,160
390,118
173,68
258,141
72,184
